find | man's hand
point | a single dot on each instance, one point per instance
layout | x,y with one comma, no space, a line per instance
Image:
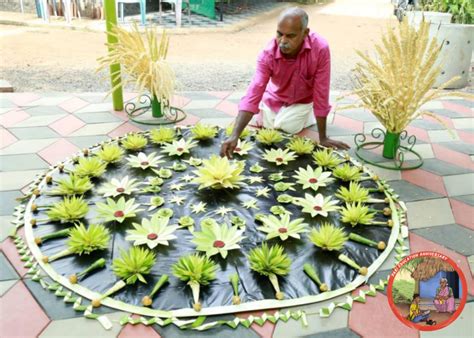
228,146
327,142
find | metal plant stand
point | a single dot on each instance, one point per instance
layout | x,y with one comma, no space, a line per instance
159,114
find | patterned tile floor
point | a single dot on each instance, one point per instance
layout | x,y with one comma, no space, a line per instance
38,130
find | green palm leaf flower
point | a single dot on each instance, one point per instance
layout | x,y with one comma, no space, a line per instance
152,232
116,188
177,186
355,193
313,178
83,240
316,205
276,177
165,212
198,208
177,166
284,186
133,264
144,161
285,198
269,136
68,210
203,131
346,172
326,158
162,135
219,173
72,185
90,166
250,204
153,184
283,227
187,178
222,210
255,179
301,145
243,147
179,148
195,162
134,142
196,270
117,211
279,156
328,237
237,221
256,168
163,172
155,202
243,134
186,222
356,213
280,210
272,262
265,191
110,153
178,200
216,239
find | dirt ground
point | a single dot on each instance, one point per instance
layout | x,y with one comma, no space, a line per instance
38,59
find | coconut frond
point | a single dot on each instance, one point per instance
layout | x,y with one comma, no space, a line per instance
179,148
84,240
269,136
69,209
230,129
162,135
355,193
356,213
90,166
269,260
72,185
144,161
316,205
279,156
328,237
152,232
301,145
134,142
313,178
283,227
326,158
133,264
117,210
195,268
110,153
347,173
219,173
216,239
203,131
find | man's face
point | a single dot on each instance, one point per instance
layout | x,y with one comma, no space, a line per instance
290,36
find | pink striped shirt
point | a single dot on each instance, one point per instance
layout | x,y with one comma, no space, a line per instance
283,82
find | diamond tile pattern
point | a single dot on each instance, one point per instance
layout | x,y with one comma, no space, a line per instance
42,129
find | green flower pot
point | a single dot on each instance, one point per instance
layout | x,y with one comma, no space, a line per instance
391,143
156,110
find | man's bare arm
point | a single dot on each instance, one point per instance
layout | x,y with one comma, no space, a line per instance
326,141
228,146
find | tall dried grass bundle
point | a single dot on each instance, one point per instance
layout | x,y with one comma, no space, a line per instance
143,60
397,81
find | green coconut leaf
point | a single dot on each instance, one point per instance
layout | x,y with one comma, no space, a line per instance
328,237
90,166
219,173
134,142
72,185
195,268
301,145
152,232
355,193
162,135
110,153
269,136
356,213
69,209
268,260
84,240
178,148
326,158
144,161
313,178
316,205
117,210
346,172
279,156
114,188
203,131
133,264
216,239
283,227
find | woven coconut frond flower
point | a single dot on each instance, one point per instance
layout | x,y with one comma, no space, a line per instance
196,270
243,134
219,173
144,161
117,211
110,153
83,240
179,148
72,185
134,142
216,239
69,209
272,262
356,213
133,264
328,237
142,58
153,232
279,156
203,131
327,158
114,188
162,135
269,136
243,147
301,145
90,166
355,193
313,178
346,172
397,81
283,227
316,205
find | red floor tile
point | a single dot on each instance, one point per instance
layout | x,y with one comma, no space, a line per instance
348,123
465,136
21,315
463,213
67,125
418,243
264,331
180,101
10,251
446,120
227,107
6,138
452,156
21,99
123,129
425,179
375,319
138,331
73,104
58,151
220,95
11,118
458,108
189,120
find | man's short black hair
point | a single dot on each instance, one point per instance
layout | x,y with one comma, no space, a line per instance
416,295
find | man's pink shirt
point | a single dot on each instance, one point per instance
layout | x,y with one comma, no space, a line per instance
279,81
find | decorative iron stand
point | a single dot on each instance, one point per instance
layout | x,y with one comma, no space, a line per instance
392,149
161,114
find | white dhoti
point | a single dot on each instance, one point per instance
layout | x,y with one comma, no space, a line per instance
290,119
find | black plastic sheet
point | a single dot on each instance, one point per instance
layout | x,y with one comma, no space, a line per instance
252,287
